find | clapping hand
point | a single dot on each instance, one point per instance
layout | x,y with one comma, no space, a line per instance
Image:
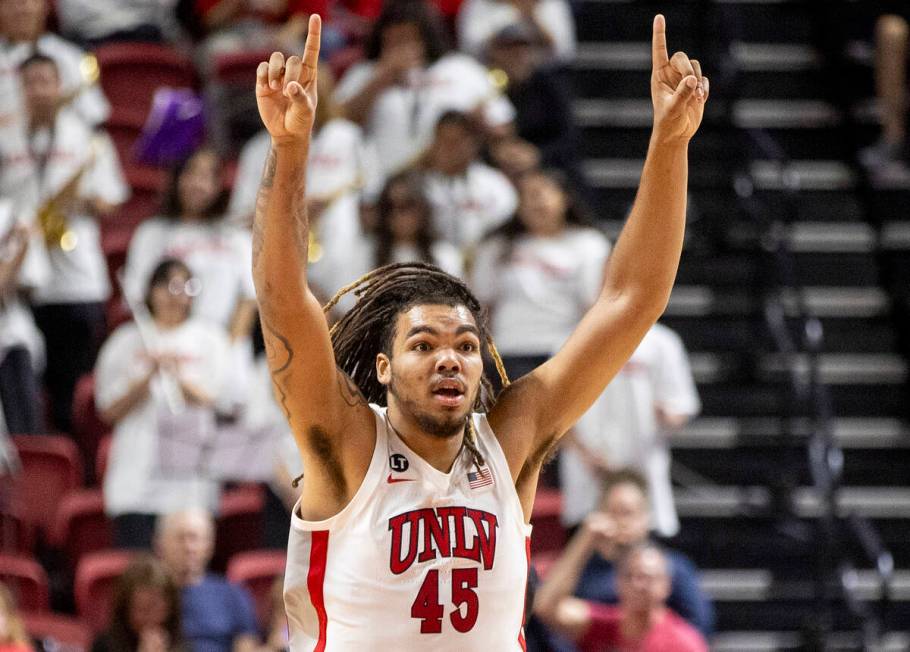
678,89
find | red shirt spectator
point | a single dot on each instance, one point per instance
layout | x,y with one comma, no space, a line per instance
669,633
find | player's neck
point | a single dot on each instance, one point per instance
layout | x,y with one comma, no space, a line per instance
438,452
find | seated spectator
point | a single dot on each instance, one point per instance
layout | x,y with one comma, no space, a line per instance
640,623
78,176
892,40
469,197
217,616
187,356
651,397
550,20
192,228
92,22
539,273
542,99
23,267
13,637
24,32
410,79
404,233
620,524
145,611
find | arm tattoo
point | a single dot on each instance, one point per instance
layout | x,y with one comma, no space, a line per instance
262,200
349,390
280,355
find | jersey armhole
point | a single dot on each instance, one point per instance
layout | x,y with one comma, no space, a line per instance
361,496
497,459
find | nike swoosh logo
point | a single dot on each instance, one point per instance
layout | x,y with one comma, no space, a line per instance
392,480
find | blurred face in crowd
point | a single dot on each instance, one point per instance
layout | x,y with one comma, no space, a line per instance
149,608
403,42
199,184
185,544
454,149
515,157
22,20
627,508
406,214
41,86
643,581
515,58
172,298
542,205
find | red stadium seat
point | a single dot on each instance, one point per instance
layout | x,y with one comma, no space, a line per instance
239,523
17,534
549,534
94,584
66,632
51,468
81,527
27,580
257,571
239,68
132,72
124,127
88,428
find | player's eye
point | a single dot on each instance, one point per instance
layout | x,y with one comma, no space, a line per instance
468,347
421,346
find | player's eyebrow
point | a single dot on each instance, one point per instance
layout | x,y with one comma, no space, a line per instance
421,329
467,328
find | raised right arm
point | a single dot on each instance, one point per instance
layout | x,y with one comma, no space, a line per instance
320,402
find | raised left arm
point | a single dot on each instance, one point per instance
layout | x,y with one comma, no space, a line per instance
536,411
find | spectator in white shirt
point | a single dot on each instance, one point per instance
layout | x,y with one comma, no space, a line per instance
24,32
192,228
629,426
131,393
539,273
79,181
23,266
410,79
96,21
469,197
480,20
403,233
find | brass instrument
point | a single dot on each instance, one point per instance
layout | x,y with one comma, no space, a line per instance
52,218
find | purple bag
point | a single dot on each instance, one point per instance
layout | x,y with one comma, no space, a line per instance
174,128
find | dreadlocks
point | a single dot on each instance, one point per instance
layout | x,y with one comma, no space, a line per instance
369,327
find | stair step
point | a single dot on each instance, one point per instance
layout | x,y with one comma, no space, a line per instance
731,432
783,641
835,302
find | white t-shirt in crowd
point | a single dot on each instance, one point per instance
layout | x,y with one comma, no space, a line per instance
17,327
218,254
622,426
136,481
467,207
89,103
342,169
540,293
481,20
72,148
403,117
96,19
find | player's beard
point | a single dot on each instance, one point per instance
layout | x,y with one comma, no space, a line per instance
437,426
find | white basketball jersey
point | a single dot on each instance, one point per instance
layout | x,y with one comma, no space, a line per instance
418,560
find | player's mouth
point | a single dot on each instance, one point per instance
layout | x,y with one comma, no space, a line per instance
449,393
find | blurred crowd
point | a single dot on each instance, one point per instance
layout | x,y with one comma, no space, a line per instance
465,157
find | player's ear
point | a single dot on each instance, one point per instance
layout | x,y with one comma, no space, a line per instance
383,369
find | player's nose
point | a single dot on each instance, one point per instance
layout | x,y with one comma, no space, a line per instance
447,361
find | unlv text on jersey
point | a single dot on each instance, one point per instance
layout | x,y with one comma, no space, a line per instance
425,534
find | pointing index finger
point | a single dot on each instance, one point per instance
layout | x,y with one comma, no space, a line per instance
659,54
311,50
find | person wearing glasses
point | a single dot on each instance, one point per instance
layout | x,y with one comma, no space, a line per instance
156,383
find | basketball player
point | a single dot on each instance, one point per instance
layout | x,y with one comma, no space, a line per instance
412,531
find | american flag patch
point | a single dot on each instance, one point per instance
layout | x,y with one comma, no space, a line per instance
481,478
